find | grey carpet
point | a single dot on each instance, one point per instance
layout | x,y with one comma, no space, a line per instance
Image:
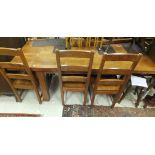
58,43
131,48
108,49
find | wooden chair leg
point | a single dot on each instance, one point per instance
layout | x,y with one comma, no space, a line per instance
20,96
136,90
85,98
93,98
113,103
38,95
18,99
17,96
66,40
140,95
124,94
43,85
115,100
89,91
62,98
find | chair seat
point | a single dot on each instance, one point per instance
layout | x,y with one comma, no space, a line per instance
108,88
84,48
22,84
74,78
76,87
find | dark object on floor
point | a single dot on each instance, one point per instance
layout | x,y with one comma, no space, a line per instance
149,101
19,115
132,48
108,49
102,111
145,43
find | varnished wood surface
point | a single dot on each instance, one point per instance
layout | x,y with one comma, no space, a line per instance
43,84
44,59
118,48
103,85
74,83
22,79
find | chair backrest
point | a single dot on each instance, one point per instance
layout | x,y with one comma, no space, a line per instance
74,62
11,70
86,41
119,71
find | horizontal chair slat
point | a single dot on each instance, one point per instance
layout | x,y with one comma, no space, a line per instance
116,71
126,57
8,65
111,82
76,54
74,79
74,68
9,52
18,76
107,92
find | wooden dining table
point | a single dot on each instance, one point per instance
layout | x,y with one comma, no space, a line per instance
42,60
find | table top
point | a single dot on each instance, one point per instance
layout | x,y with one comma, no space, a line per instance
42,58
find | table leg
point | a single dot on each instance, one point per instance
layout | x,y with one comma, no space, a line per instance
139,97
44,88
66,42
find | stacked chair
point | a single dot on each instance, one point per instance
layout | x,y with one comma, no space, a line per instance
84,42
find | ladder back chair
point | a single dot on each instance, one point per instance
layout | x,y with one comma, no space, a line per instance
112,80
86,42
74,74
18,76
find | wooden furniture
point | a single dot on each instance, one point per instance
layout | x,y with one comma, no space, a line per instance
76,83
9,42
67,42
144,91
105,41
18,76
140,91
150,100
86,42
113,80
42,60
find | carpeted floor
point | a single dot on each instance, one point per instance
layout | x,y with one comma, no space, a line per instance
102,111
58,43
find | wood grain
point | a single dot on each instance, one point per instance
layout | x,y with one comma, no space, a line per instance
44,59
118,48
22,79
